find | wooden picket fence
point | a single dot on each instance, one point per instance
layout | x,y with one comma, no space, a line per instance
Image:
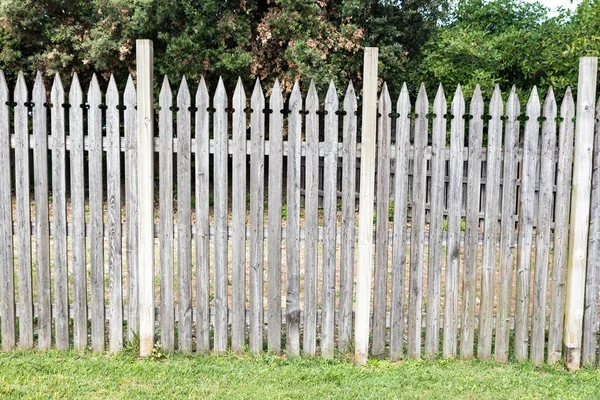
471,239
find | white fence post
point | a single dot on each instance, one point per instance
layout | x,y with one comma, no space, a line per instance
580,209
364,263
145,130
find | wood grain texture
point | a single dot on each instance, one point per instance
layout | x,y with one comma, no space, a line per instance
455,196
347,228
274,219
220,216
380,274
292,298
472,226
42,224
184,217
238,220
131,209
417,250
526,215
311,221
329,223
59,213
202,220
78,241
7,272
491,226
165,231
544,220
507,228
436,221
562,206
257,201
23,216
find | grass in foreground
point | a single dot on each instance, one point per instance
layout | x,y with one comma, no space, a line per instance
51,374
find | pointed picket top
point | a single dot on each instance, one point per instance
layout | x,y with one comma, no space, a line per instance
513,105
220,98
458,103
239,96
21,90
3,88
385,100
550,105
312,98
422,104
94,91
112,93
476,106
331,100
129,96
183,95
276,99
57,94
440,98
496,106
202,94
39,90
567,107
403,105
296,96
165,98
258,96
350,104
533,105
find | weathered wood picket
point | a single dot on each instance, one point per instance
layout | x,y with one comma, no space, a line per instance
244,255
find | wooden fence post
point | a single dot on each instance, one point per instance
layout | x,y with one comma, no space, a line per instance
145,130
364,263
580,209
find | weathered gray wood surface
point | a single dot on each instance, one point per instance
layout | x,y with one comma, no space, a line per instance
403,109
274,245
471,247
42,225
311,221
7,272
457,138
184,217
382,222
257,181
202,220
238,220
165,232
436,216
59,214
347,228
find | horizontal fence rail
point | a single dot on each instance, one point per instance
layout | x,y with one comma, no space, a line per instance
256,220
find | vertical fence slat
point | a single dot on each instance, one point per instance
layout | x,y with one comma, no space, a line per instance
165,233
436,219
526,210
238,220
202,220
472,225
417,249
292,299
590,310
7,277
348,219
42,229
329,222
380,274
23,220
509,196
78,241
184,217
131,209
274,218
59,222
562,206
220,217
257,181
457,138
491,225
399,233
544,219
311,199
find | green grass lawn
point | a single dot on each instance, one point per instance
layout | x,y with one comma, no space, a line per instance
51,374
